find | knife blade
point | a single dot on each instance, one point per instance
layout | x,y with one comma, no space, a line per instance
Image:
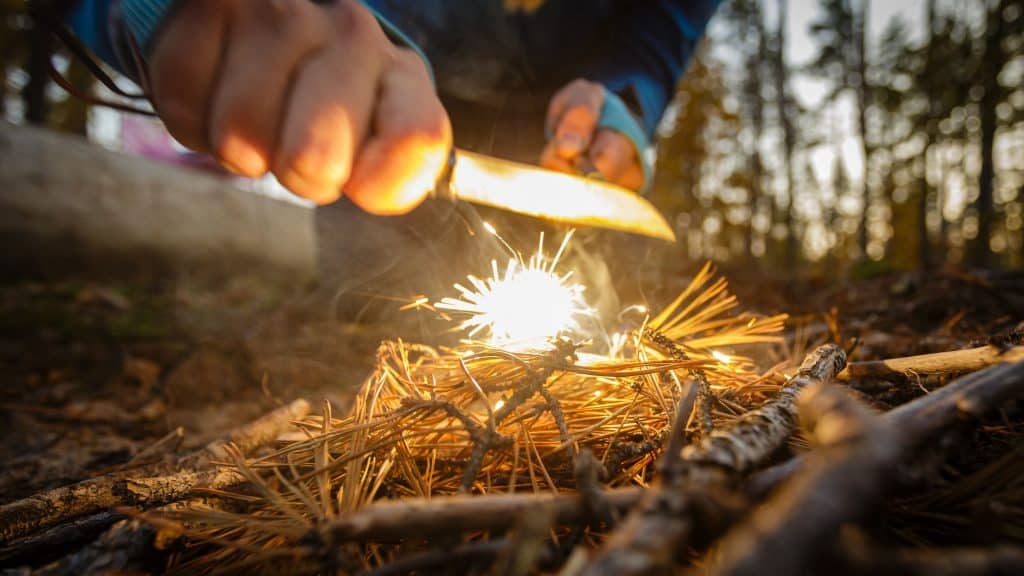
551,195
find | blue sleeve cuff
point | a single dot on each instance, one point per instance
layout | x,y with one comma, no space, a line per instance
615,115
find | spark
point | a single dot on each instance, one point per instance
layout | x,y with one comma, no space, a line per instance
522,305
723,358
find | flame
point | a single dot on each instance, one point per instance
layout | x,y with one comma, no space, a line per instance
523,305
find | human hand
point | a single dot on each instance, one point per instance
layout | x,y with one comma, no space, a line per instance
315,93
579,145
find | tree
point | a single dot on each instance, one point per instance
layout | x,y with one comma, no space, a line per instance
841,34
784,110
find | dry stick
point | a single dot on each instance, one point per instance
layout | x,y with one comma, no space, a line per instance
841,481
938,364
38,512
844,482
419,517
649,539
996,561
970,395
704,395
67,536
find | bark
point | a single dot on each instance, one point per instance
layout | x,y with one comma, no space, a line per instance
664,522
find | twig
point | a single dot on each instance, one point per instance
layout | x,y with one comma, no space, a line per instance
997,561
938,364
966,398
649,539
417,518
38,512
842,484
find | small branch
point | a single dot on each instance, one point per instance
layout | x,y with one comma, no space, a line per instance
848,479
754,436
418,518
841,483
997,561
46,509
938,364
660,526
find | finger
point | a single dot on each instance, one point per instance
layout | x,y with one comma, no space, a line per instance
611,154
183,66
401,162
576,93
616,158
575,131
327,119
550,159
268,41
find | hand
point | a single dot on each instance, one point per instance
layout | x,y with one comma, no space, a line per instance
315,93
577,145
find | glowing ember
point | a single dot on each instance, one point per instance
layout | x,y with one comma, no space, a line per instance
524,305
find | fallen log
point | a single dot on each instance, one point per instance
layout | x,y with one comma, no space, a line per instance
146,486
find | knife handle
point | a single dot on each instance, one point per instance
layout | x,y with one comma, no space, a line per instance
443,186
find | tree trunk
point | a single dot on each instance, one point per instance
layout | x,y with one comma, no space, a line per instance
38,69
860,31
787,134
992,62
757,120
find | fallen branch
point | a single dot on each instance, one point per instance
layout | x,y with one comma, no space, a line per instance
845,481
46,509
955,362
417,518
998,561
967,397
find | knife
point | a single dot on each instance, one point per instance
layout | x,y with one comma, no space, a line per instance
547,194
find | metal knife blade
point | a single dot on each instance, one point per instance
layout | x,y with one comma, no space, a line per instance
542,193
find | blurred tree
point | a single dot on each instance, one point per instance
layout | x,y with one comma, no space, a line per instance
784,108
841,34
747,20
1002,18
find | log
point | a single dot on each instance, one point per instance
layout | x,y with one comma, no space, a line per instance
146,486
71,206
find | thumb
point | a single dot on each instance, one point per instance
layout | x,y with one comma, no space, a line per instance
575,131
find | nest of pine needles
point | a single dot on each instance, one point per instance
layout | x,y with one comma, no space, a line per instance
478,419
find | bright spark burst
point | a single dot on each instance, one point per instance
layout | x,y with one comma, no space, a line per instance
522,306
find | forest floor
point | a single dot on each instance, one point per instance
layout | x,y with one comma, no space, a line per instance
96,373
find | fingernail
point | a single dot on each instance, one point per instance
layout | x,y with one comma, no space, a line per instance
570,142
242,157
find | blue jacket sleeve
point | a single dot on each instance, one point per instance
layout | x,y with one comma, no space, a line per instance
89,20
652,48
